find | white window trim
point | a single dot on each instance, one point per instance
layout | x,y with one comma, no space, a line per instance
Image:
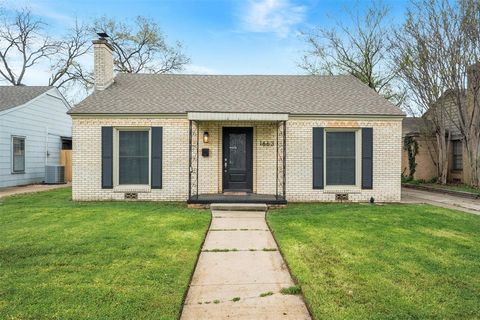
358,161
116,167
24,154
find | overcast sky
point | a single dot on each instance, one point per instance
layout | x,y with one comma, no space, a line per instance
220,36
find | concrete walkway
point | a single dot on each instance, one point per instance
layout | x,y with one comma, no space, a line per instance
245,271
10,191
441,200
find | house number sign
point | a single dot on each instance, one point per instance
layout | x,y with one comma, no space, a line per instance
267,143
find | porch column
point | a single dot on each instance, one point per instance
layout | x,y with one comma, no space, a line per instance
281,165
284,159
193,145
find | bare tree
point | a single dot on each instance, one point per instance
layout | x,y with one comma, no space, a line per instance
66,67
25,44
141,47
359,49
22,45
434,48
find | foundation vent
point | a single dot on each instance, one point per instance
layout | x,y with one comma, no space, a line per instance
341,196
131,196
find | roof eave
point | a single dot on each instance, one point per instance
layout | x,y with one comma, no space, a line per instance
290,115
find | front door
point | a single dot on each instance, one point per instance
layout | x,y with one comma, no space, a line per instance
237,159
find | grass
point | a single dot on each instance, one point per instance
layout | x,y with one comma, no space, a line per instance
358,261
112,260
293,290
266,294
220,250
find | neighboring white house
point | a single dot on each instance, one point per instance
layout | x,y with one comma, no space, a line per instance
33,125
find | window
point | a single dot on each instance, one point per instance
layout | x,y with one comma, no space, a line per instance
18,154
340,158
133,157
457,163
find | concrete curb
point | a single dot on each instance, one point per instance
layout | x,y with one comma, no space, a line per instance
462,194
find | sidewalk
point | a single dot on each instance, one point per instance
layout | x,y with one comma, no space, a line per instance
240,261
10,191
441,200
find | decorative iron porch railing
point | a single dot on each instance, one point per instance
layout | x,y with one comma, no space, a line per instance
281,141
193,159
281,160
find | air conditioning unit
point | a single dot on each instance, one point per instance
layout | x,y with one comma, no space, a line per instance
54,174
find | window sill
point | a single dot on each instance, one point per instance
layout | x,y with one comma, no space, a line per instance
132,188
18,172
342,189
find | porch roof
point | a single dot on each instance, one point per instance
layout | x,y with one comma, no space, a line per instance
236,116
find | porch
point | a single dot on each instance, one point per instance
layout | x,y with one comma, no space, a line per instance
209,198
237,158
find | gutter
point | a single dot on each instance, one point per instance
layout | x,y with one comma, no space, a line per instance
184,115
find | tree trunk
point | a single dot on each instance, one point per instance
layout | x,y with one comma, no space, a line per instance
472,150
472,127
443,146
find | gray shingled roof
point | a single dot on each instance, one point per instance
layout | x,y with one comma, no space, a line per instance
156,94
14,96
411,125
414,125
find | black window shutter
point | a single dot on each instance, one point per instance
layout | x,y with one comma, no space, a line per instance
156,161
317,158
367,158
107,157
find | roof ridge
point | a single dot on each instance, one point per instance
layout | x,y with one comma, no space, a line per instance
232,75
25,86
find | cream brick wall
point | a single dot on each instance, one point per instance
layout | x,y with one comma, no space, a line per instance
386,172
264,165
386,161
87,166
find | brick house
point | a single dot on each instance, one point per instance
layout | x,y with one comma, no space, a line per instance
220,138
425,168
422,130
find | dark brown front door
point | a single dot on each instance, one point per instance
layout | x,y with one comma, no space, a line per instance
237,159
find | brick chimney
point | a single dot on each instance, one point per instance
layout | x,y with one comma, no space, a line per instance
103,62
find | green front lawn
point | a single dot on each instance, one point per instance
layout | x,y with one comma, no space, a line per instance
110,260
360,261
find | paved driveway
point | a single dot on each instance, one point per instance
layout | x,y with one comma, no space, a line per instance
10,191
441,200
240,259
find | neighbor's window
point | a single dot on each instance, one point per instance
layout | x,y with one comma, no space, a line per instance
18,151
457,163
340,158
133,157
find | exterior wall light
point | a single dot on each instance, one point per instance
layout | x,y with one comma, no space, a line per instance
205,137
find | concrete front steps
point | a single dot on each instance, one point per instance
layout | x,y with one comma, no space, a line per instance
238,207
